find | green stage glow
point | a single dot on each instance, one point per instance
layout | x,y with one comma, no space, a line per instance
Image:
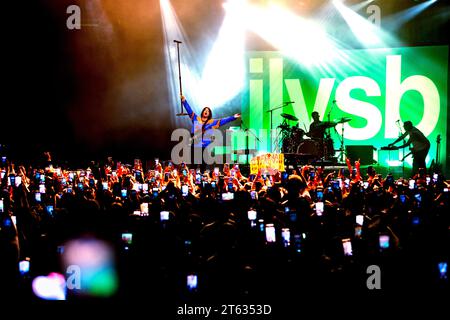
373,87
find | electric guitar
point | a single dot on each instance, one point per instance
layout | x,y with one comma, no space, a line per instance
435,165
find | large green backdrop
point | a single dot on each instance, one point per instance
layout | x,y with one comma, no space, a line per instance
373,87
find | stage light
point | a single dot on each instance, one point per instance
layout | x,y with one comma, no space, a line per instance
173,30
222,76
394,22
224,72
295,37
359,6
367,33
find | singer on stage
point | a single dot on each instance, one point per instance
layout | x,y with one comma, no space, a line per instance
203,126
204,123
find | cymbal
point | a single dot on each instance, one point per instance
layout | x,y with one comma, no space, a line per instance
289,117
342,120
327,124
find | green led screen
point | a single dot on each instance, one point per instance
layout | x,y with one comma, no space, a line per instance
373,87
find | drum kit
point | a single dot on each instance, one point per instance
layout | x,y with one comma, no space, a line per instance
297,142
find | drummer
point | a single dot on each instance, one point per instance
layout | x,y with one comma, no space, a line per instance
316,128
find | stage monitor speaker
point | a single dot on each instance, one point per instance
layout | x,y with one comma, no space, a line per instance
363,153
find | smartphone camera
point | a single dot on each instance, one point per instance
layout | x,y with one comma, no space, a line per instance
383,240
390,179
415,220
60,249
127,239
144,208
164,215
435,177
12,180
403,198
412,184
24,267
105,185
91,183
261,225
50,210
319,208
358,232
123,193
270,233
188,246
336,185
319,195
227,196
184,190
360,219
442,270
298,243
254,195
251,215
286,236
192,282
366,184
347,183
2,206
293,216
347,246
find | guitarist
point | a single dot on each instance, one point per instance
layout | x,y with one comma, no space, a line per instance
419,145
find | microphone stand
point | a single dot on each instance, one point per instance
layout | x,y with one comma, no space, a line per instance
328,129
179,78
403,151
271,120
247,130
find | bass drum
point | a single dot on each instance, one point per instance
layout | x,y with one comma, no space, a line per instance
309,147
297,135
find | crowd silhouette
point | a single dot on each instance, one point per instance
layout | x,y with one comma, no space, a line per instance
203,236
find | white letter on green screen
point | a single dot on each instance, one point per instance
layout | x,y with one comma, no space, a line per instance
360,108
395,89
